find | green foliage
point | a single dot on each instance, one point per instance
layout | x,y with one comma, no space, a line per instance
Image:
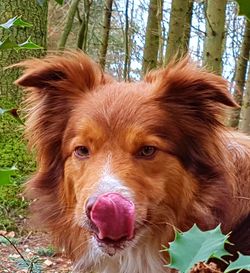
244,8
195,246
46,251
8,42
29,265
243,262
13,152
15,22
5,174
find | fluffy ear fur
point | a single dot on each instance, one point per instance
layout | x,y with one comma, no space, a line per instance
194,100
53,85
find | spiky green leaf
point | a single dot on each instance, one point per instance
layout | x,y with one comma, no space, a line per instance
243,262
29,45
17,22
195,246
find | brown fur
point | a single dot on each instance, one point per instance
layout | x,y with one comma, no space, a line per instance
200,173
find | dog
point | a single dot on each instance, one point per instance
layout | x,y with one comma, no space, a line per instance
121,164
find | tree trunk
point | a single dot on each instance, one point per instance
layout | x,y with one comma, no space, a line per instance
240,76
215,30
244,124
151,46
187,29
83,32
105,32
68,24
177,29
126,43
31,12
161,33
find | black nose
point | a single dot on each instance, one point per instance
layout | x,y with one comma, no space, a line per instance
89,205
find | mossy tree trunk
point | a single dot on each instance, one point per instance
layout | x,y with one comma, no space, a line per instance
31,12
83,32
244,124
240,76
187,29
151,46
215,31
105,31
68,24
180,15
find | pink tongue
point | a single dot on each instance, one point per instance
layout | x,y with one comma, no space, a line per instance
114,217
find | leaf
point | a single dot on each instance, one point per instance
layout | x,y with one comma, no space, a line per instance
7,44
13,112
15,21
244,8
29,45
243,262
5,175
195,246
60,2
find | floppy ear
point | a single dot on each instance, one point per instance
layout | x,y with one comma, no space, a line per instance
53,85
194,102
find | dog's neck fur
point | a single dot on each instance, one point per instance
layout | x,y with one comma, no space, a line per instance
146,257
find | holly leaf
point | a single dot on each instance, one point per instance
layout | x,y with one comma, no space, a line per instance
29,45
195,246
244,8
17,22
243,262
5,175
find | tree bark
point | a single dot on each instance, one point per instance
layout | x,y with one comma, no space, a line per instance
151,46
68,24
105,32
215,31
126,43
187,28
240,76
244,124
177,29
31,12
83,32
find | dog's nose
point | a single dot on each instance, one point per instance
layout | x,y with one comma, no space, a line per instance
89,205
112,215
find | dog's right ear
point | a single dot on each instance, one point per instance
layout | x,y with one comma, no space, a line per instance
54,85
70,73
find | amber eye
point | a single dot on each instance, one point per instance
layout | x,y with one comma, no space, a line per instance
82,152
146,152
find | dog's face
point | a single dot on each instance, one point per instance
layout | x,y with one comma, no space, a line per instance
115,165
119,161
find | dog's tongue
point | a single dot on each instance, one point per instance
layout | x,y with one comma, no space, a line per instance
114,217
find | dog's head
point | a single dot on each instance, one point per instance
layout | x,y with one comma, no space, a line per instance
118,161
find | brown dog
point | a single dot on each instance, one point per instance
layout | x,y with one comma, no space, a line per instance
120,164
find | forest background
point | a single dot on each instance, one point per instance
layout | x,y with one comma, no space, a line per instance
127,38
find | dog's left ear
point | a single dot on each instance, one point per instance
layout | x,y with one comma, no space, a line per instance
191,94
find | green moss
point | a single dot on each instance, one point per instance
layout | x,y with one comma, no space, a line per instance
13,151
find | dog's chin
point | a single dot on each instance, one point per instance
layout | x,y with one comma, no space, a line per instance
111,247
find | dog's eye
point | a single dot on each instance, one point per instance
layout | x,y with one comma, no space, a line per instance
82,152
146,152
